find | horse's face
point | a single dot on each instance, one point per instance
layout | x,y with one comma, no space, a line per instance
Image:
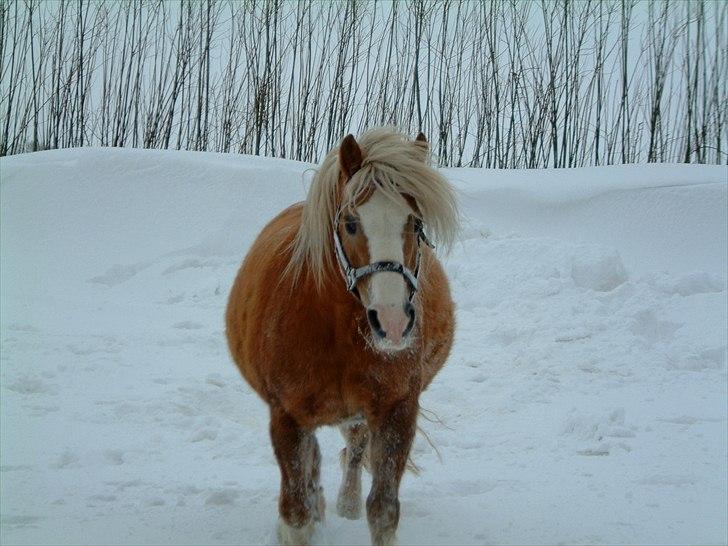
377,230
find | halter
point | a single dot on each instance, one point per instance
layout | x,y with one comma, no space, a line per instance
353,274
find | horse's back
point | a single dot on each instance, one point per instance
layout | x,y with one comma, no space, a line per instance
259,277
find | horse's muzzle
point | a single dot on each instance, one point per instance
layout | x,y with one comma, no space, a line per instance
391,324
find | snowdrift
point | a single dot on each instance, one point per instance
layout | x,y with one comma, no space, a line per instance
584,401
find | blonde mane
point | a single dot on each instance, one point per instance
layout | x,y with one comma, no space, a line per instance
393,164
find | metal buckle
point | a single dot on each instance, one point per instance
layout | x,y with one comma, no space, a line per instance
351,279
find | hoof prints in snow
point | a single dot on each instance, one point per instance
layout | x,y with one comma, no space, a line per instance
18,520
222,498
67,459
191,263
706,359
31,386
204,434
188,325
600,435
103,498
119,274
674,480
114,456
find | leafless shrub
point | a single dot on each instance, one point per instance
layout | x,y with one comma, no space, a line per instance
503,83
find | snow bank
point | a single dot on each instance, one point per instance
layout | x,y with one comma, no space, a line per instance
659,217
584,401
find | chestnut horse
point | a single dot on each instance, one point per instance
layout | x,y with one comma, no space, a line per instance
341,315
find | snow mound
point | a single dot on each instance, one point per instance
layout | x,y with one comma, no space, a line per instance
697,282
598,271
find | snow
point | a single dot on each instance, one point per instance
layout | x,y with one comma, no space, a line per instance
584,400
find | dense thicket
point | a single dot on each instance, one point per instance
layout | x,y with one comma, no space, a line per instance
496,84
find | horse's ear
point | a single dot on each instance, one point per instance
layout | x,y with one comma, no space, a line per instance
422,144
349,156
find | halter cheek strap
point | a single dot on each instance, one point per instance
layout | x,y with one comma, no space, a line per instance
353,274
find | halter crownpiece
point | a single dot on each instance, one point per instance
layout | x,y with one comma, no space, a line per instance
353,274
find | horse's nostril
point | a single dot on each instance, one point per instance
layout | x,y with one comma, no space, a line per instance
409,310
374,323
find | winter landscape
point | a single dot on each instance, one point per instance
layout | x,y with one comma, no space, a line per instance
584,401
143,146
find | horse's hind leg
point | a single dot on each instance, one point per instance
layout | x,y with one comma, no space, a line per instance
293,448
348,504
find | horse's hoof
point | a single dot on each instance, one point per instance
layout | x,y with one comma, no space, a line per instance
387,538
294,536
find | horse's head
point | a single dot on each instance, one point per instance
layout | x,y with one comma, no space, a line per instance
378,235
374,196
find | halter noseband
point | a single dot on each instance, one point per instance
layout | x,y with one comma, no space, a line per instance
353,274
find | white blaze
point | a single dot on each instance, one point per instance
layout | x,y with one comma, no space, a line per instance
383,222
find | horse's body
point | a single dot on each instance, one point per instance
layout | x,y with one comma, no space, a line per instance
300,340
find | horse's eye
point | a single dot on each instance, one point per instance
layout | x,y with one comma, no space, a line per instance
350,226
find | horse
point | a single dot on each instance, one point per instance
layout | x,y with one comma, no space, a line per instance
341,315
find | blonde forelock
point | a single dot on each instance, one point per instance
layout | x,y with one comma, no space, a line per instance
393,164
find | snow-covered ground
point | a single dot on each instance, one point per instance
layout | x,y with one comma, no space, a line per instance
584,401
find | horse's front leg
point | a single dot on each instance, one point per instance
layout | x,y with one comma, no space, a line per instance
391,438
297,453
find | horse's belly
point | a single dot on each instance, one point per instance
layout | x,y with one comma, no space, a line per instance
316,408
248,315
